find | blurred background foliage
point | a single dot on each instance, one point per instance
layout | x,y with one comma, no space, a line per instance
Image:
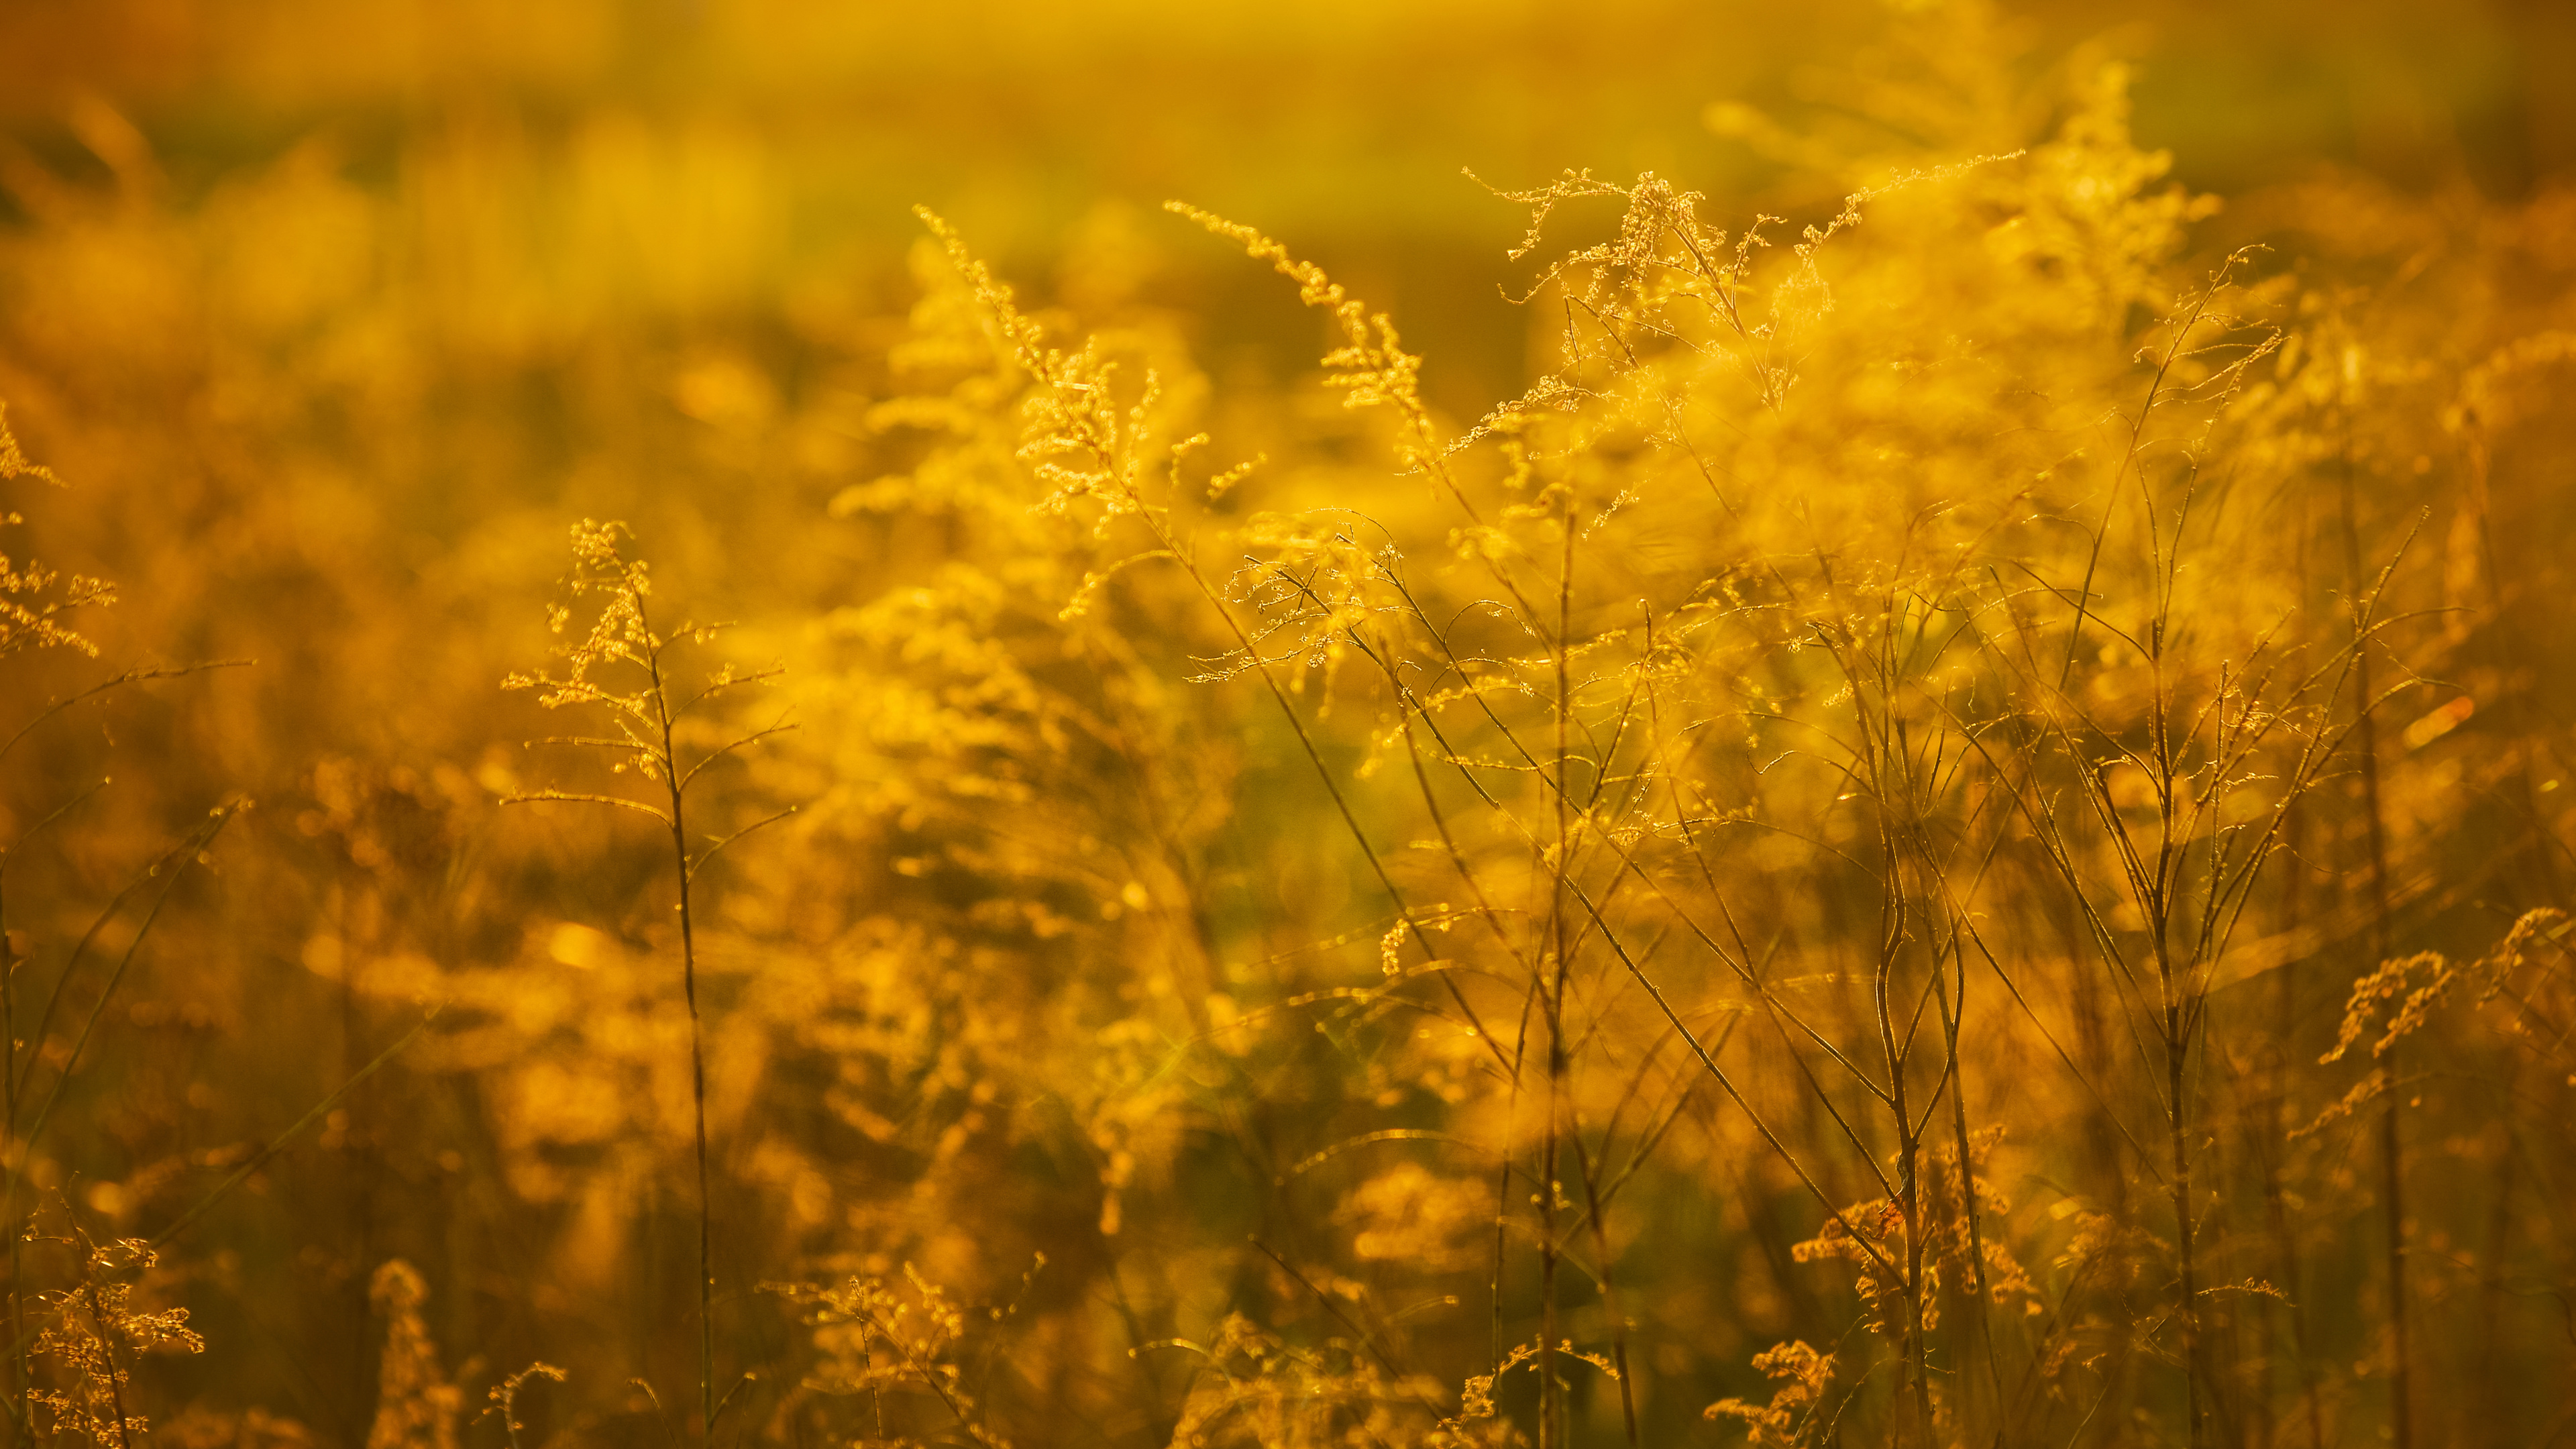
334,316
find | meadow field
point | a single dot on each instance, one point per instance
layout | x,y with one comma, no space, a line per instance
753,722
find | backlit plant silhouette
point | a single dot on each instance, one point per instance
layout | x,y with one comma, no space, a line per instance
651,712
1901,784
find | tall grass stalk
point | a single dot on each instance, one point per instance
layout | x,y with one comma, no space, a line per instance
648,718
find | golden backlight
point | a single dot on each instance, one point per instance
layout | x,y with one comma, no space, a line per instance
755,722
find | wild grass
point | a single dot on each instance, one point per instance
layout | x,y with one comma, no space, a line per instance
1947,829
652,718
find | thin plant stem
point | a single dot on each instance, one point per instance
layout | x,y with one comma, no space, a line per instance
675,784
1595,1218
